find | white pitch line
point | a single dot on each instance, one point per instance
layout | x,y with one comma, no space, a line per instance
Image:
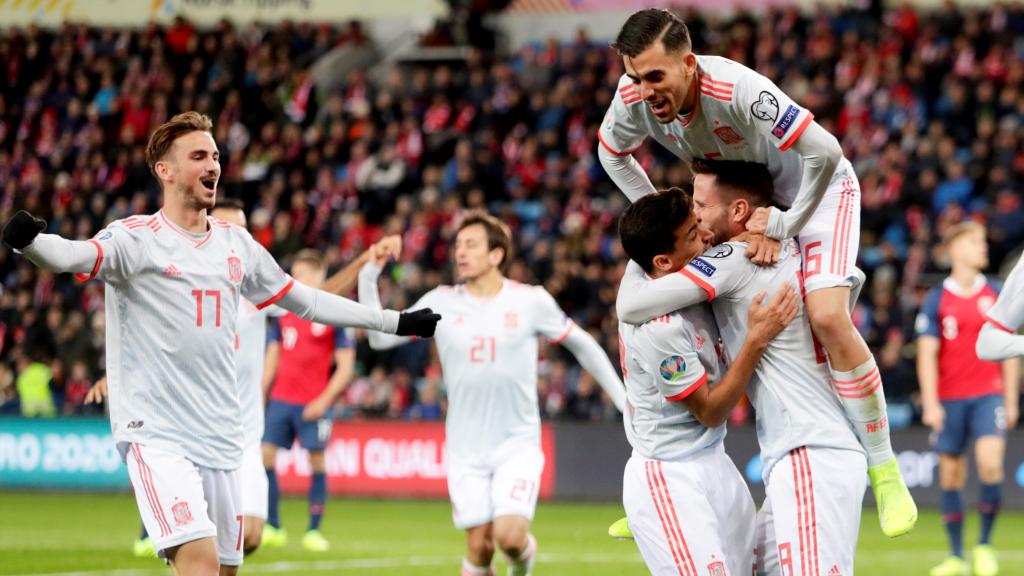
358,564
414,561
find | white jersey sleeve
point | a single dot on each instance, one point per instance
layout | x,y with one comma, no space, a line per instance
760,106
549,320
120,250
621,133
666,349
641,298
264,283
1008,311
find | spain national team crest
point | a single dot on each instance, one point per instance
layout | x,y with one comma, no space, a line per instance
182,515
672,368
235,269
728,135
717,568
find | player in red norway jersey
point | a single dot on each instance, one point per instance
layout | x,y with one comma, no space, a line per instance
963,396
298,364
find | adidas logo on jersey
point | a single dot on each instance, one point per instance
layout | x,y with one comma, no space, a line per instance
172,272
835,571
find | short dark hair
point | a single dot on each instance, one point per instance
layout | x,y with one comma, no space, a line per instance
229,203
648,226
645,27
752,180
498,233
310,256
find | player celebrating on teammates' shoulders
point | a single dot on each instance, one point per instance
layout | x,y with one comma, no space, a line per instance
814,466
964,396
686,502
174,280
302,390
708,107
487,344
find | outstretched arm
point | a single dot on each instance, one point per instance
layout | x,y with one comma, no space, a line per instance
594,360
57,254
995,344
640,299
370,296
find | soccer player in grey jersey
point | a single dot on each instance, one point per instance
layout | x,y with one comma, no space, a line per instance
687,503
707,107
174,280
814,465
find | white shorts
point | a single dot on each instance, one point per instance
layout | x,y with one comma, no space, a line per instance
830,239
180,501
511,488
810,520
254,482
694,516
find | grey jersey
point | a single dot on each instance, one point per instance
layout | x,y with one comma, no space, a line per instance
664,361
488,350
1008,311
172,302
792,386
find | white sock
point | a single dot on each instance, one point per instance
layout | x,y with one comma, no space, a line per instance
860,392
521,566
468,569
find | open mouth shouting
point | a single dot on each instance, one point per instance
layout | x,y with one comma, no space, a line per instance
209,182
660,106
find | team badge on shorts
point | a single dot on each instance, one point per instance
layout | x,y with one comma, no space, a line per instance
717,568
182,515
235,270
672,368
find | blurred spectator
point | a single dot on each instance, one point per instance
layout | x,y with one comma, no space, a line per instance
33,385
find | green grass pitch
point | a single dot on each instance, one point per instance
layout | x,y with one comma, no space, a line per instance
89,534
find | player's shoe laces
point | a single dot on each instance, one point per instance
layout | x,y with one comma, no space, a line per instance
952,566
273,537
897,512
314,541
620,529
144,549
984,559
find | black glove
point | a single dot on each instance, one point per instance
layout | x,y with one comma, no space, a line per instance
22,229
420,323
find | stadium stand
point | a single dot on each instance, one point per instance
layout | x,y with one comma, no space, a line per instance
928,106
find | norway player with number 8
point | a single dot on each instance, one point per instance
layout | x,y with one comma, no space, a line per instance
487,343
707,107
173,284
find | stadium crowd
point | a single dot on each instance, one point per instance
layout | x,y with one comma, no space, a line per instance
928,106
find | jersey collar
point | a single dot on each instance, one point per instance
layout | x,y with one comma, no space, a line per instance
194,239
951,285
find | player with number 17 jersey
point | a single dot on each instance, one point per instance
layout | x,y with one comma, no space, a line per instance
155,270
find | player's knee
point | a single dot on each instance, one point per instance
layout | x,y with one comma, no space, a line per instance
829,323
252,541
990,472
481,550
228,570
511,539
